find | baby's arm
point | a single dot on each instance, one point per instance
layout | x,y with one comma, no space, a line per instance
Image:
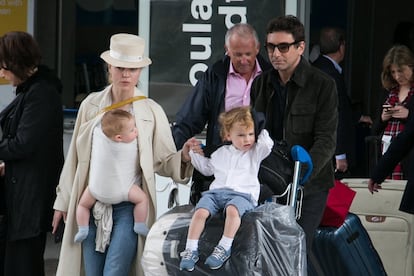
201,163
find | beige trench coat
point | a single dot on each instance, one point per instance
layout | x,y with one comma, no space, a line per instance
157,153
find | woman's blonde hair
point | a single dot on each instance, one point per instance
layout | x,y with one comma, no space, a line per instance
398,55
240,115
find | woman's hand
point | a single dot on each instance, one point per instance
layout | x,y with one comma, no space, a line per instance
386,113
399,112
372,186
191,144
57,216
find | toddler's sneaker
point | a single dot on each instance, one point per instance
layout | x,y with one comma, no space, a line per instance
188,259
218,257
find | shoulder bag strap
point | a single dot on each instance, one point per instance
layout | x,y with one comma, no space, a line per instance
122,103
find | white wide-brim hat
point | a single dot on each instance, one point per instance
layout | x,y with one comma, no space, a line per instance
127,51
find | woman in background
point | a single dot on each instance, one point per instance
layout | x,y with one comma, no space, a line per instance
32,150
397,77
402,145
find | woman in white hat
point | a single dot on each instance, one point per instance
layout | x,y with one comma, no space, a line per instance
156,153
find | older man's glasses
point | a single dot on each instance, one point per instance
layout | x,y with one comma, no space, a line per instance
282,47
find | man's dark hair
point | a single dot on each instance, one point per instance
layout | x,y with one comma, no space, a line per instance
289,24
330,39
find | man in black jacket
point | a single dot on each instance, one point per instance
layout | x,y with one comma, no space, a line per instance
332,47
300,105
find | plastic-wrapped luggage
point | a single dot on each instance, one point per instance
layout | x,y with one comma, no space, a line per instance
347,250
269,242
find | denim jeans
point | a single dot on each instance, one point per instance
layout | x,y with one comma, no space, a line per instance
118,257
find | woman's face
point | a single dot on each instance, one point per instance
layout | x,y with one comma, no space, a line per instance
402,74
9,76
124,78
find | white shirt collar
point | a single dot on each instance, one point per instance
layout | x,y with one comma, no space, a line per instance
336,65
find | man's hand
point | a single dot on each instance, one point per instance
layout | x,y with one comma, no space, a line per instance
341,165
365,119
2,168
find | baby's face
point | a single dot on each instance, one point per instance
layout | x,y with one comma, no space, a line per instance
241,137
130,132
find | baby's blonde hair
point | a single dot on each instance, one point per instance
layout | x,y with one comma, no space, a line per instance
114,122
240,115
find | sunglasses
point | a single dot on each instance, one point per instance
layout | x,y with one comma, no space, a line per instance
282,47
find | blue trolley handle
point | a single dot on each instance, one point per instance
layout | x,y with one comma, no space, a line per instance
299,154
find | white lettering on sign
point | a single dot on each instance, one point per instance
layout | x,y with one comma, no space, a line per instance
206,43
9,3
233,11
5,11
198,67
200,43
15,3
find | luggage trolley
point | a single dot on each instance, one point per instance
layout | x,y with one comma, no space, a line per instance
269,241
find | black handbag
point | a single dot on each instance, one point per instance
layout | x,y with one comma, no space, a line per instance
276,170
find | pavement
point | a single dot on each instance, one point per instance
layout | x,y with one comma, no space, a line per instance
51,256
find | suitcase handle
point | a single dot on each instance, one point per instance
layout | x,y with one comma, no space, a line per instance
375,219
299,154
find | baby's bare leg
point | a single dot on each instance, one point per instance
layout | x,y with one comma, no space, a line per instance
82,215
84,208
137,196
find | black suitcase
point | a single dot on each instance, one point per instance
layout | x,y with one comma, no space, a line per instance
345,251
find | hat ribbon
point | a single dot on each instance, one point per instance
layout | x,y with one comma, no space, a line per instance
122,57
